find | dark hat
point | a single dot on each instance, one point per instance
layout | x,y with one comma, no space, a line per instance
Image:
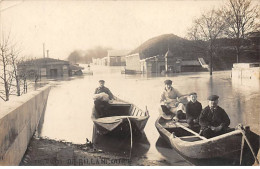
101,81
213,97
167,82
193,93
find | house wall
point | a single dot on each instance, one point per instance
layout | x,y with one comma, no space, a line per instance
104,61
45,70
133,62
173,65
115,61
152,66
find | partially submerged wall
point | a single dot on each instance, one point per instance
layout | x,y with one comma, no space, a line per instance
18,121
246,74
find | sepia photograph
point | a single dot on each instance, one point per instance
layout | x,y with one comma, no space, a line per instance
129,83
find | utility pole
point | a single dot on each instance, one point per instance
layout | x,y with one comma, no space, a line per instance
47,53
43,48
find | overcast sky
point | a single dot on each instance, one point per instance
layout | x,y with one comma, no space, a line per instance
67,25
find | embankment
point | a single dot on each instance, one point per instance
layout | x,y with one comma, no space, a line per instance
19,119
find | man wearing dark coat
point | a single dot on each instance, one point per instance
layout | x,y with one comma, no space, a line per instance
193,110
213,120
102,107
104,89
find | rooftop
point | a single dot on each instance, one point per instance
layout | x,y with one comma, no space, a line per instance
190,63
117,52
41,61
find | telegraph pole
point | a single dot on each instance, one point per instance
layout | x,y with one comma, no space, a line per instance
43,48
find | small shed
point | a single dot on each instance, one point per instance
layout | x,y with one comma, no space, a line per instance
47,67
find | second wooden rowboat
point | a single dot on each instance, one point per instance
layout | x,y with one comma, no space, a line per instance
122,116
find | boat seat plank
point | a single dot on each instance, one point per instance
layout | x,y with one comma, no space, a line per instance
120,104
137,113
191,131
115,119
188,136
133,112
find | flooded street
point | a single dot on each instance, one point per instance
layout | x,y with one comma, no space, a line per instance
69,107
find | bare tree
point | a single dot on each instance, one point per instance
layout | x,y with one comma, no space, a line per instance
29,72
14,57
23,74
193,33
6,75
241,17
208,27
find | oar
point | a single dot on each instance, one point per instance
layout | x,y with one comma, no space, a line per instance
248,143
189,130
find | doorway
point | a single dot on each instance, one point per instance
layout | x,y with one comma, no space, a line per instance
53,72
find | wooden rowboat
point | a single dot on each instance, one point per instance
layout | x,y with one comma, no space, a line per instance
121,117
190,144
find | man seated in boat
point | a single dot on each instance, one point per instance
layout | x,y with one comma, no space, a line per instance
213,120
102,98
193,110
170,103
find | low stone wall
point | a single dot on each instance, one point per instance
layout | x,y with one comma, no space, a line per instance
246,74
19,119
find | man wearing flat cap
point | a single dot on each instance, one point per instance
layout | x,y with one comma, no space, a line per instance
170,103
193,110
213,120
104,89
102,97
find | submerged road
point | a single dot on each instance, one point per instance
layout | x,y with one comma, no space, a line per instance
69,108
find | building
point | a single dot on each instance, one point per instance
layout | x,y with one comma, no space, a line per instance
47,67
153,64
163,63
133,62
116,57
193,66
104,61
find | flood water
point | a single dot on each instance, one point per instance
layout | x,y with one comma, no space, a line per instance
69,107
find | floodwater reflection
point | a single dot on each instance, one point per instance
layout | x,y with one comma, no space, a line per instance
69,106
121,145
172,156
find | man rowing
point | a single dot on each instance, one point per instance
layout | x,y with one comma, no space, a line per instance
170,103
